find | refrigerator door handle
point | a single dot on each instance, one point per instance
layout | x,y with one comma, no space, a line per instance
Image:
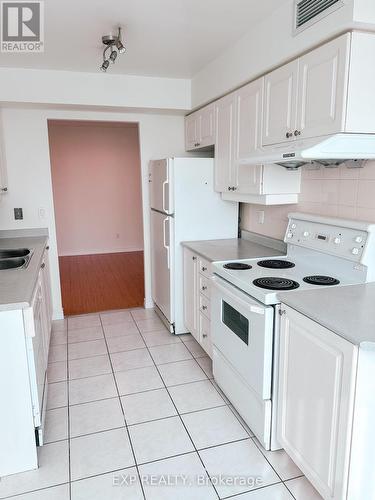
166,245
165,209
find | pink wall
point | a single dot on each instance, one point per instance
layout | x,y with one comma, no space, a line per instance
96,176
337,192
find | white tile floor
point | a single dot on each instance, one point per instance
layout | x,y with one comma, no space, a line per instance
130,403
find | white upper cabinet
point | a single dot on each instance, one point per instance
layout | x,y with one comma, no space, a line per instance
280,104
191,131
322,89
200,129
224,143
249,113
307,97
317,377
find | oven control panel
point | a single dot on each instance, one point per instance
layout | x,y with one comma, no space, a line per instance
345,242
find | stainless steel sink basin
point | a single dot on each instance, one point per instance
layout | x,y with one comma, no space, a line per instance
14,263
11,253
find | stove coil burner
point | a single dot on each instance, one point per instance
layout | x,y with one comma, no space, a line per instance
237,266
276,264
276,283
321,280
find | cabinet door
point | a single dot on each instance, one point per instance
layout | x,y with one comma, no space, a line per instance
249,101
207,126
191,132
280,104
322,89
224,143
316,399
191,292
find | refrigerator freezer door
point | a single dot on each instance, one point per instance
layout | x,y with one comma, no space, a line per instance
162,253
161,193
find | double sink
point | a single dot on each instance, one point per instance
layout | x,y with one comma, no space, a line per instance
18,258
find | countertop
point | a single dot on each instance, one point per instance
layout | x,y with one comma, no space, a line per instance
17,285
231,249
346,310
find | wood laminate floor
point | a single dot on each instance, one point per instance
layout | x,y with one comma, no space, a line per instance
101,282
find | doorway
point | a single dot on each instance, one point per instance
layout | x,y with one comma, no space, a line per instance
96,179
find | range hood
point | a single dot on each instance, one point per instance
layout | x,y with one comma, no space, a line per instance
325,150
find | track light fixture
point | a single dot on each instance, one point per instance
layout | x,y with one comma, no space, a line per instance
113,43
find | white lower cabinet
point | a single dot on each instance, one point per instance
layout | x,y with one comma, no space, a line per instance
24,347
197,274
317,378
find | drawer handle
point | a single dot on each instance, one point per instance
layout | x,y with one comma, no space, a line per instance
43,265
194,258
204,269
204,308
204,288
205,335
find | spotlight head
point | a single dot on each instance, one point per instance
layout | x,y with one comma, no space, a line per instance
112,57
120,46
105,65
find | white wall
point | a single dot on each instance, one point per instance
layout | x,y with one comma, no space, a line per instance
29,172
265,46
93,89
364,11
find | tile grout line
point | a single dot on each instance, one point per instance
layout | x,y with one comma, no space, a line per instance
182,422
178,413
68,402
123,413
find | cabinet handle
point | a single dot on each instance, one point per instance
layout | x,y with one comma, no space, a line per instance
282,312
204,308
234,188
4,190
47,247
204,268
204,288
194,258
205,335
289,135
297,132
43,266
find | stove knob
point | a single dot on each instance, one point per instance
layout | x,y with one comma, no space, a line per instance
293,226
358,239
306,234
289,235
355,251
337,241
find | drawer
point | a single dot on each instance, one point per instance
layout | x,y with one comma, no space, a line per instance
204,267
205,334
204,285
204,305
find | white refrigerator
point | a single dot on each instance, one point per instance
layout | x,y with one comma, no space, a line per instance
184,207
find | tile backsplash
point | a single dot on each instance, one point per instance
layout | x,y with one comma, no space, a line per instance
336,192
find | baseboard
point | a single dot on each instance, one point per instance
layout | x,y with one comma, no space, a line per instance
100,251
148,303
57,314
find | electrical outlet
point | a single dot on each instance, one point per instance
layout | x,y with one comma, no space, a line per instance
41,213
18,213
260,215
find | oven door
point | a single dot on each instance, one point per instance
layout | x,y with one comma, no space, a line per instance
242,330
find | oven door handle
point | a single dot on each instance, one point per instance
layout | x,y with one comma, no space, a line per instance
246,301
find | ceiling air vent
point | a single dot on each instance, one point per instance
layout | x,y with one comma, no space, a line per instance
308,12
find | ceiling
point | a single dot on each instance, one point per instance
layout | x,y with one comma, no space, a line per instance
168,38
